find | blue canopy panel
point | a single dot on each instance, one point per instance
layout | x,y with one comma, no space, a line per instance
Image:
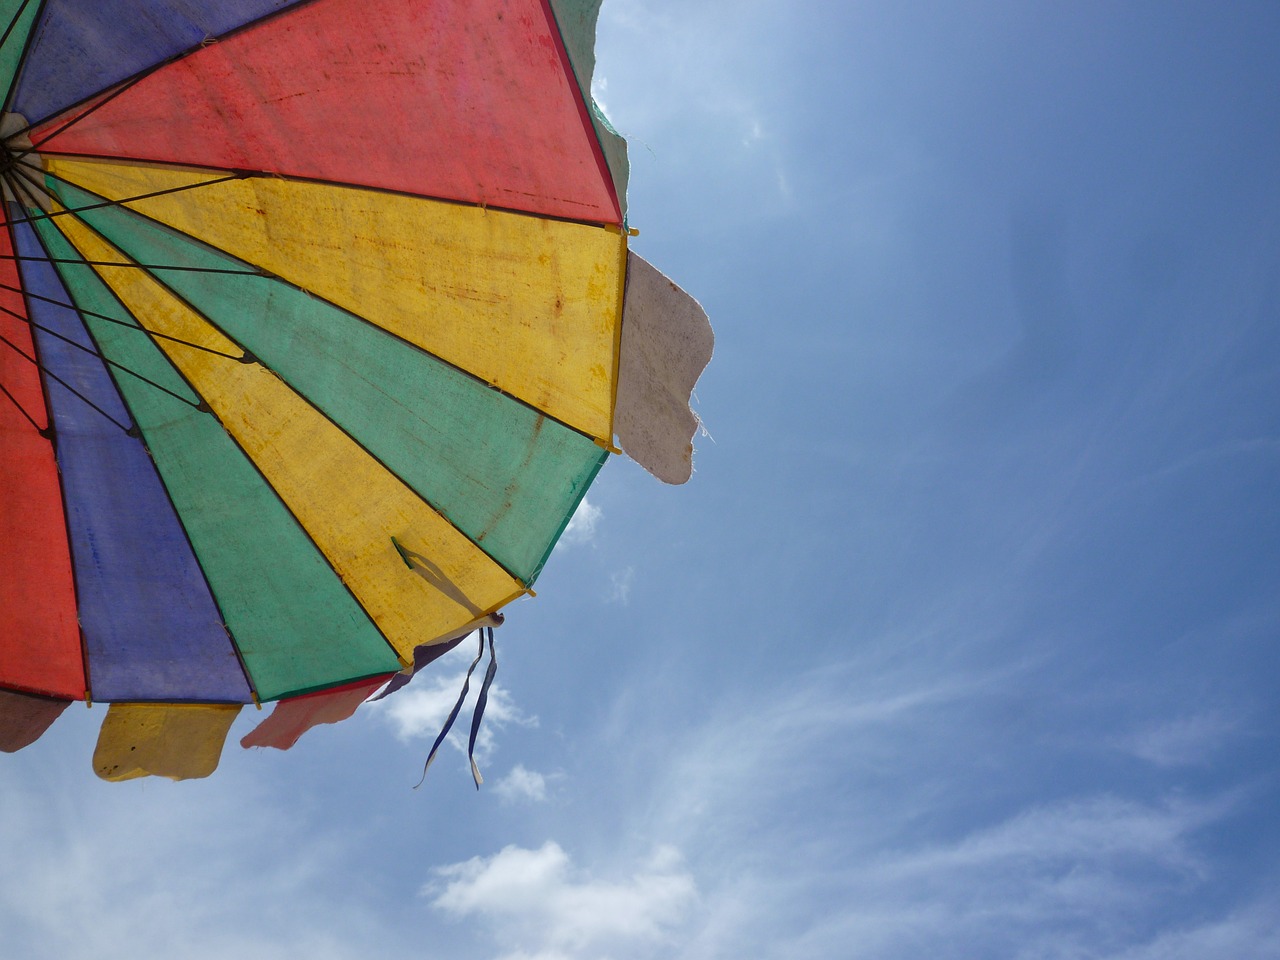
151,628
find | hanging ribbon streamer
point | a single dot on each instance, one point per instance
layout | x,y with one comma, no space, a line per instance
479,712
476,716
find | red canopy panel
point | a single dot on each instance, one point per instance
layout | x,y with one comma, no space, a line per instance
294,716
39,634
487,109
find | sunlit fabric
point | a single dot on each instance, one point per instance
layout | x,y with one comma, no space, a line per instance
311,319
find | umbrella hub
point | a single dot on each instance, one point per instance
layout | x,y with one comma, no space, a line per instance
21,169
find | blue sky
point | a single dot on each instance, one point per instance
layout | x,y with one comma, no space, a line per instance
962,640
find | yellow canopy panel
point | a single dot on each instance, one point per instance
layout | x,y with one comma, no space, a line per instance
529,305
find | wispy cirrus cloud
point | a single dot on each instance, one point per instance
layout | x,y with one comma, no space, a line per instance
1250,933
1181,741
927,854
1083,878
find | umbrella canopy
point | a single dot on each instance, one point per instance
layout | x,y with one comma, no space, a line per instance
316,323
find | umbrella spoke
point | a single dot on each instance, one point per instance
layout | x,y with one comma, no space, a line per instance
125,201
107,360
147,267
132,431
150,267
13,21
17,186
89,111
96,353
21,409
244,357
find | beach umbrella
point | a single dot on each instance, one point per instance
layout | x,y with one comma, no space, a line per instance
317,320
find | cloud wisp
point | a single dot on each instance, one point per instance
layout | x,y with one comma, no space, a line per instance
175,870
935,851
1180,742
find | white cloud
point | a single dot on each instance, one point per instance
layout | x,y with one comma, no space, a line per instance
522,784
1186,741
538,905
582,525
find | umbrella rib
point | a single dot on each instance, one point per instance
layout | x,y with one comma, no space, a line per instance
23,410
105,359
16,185
22,57
126,82
65,211
94,353
145,266
93,108
13,21
132,266
245,357
246,174
131,431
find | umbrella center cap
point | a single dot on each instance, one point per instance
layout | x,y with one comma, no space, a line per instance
21,169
